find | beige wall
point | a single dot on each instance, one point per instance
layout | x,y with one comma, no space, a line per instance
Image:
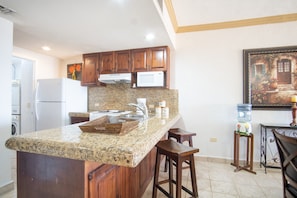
45,66
209,77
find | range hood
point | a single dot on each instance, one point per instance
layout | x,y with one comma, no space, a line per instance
115,78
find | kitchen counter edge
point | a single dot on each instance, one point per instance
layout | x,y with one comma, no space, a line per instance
70,142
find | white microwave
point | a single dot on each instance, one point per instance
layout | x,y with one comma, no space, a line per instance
150,79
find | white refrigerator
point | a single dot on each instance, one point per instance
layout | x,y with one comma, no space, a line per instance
55,98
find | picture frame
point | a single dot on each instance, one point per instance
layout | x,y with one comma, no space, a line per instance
74,71
270,77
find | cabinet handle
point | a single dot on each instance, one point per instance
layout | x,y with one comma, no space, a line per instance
90,176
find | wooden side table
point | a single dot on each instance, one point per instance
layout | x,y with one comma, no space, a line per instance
249,152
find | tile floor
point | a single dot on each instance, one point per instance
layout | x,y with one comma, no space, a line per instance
218,180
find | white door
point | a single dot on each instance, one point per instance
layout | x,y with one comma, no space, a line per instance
50,115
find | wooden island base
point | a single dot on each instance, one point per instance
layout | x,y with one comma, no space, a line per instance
42,176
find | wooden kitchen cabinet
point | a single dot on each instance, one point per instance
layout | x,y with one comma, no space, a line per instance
90,70
103,181
47,176
74,120
150,59
115,62
139,60
107,65
126,61
158,60
123,61
51,176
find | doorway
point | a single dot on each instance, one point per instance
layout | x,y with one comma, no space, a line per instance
23,72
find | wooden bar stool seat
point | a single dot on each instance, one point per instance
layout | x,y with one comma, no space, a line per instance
178,153
181,136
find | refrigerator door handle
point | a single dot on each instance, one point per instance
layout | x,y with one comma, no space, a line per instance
36,93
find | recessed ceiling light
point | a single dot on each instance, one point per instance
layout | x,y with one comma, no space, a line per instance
149,37
46,48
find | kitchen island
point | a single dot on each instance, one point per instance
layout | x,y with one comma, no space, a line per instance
65,162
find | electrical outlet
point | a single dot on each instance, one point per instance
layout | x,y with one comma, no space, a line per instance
96,104
213,139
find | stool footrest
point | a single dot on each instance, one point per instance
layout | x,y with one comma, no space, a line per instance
164,191
174,164
173,181
184,188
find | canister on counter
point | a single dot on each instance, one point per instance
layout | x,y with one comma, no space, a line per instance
165,112
158,111
162,103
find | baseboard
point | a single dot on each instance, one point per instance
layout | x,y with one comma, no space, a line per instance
220,160
7,187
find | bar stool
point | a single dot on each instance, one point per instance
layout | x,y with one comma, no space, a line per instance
178,153
180,136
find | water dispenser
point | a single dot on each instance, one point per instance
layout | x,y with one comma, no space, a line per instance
244,118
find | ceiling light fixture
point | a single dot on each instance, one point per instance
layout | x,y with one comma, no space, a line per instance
46,48
149,37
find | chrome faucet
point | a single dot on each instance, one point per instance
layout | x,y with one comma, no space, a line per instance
142,107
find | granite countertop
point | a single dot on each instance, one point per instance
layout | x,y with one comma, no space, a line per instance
70,142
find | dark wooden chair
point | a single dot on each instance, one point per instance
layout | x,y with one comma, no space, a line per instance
287,149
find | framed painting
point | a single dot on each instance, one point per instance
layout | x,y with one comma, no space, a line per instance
270,77
74,71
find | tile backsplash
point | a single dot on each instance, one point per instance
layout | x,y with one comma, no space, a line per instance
117,96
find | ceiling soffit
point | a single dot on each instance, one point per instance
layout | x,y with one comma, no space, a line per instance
226,24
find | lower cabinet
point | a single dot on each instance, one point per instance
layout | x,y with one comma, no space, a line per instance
122,182
74,120
103,181
47,176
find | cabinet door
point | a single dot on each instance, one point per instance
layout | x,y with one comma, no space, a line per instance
139,60
74,120
107,65
158,59
103,182
90,69
122,61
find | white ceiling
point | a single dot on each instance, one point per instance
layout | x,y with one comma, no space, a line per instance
74,27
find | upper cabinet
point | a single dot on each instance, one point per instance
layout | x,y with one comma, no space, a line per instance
158,59
90,70
125,61
150,59
107,65
115,62
139,62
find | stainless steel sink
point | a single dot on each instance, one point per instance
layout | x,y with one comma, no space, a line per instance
132,117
